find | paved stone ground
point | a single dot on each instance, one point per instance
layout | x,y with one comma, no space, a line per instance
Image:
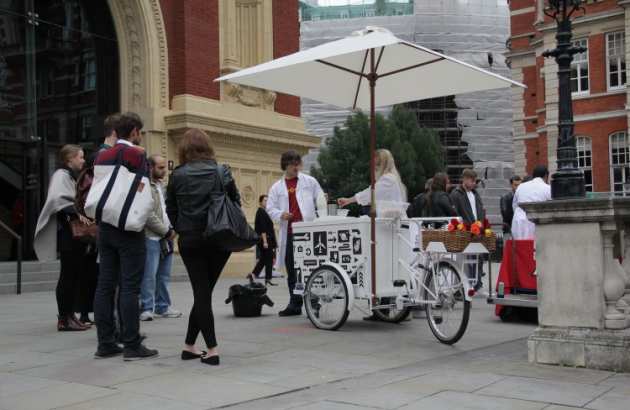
281,363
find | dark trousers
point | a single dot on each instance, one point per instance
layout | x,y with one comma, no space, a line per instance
68,283
87,282
265,261
122,256
295,300
204,265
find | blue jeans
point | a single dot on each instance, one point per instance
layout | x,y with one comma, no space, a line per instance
157,274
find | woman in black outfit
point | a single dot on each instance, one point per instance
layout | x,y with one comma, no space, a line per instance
438,203
267,245
191,185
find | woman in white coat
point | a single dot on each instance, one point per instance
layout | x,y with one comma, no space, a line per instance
291,199
388,188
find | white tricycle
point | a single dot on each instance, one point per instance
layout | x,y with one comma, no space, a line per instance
332,260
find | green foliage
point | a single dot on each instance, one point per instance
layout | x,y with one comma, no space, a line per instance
345,159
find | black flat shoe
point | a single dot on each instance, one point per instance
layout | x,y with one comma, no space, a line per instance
290,311
186,355
211,360
270,283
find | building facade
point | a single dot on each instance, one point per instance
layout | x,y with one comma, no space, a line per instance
475,129
598,85
67,64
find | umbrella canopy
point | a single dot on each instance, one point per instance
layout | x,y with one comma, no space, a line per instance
371,68
336,72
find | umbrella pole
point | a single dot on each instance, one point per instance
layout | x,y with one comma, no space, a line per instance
372,80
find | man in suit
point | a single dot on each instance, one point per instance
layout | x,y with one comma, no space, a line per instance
469,207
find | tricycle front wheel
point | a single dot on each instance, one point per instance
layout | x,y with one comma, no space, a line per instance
326,298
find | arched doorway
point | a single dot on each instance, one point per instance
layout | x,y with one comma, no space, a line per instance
59,78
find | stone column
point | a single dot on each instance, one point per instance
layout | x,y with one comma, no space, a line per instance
580,284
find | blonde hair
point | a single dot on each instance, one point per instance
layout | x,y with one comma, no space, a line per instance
68,152
385,165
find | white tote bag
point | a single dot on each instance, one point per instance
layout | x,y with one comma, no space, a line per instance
119,197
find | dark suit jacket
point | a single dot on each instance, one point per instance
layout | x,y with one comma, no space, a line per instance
463,208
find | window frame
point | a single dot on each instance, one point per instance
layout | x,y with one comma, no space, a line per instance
623,167
588,71
588,143
623,56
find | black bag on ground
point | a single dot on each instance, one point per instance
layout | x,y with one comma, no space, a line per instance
247,300
227,227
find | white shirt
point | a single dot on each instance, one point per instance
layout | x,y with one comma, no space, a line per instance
535,190
386,188
306,192
125,142
473,203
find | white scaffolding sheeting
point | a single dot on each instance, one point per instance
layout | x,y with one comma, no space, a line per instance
466,29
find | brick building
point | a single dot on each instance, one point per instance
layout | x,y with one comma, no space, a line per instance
67,64
598,83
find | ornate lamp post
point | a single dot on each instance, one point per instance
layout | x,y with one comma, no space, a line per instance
568,181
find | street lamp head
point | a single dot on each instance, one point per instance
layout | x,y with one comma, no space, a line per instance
563,9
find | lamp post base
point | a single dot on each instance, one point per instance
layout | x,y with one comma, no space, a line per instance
567,183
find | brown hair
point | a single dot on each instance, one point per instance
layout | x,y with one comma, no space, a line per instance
469,173
67,152
439,182
194,146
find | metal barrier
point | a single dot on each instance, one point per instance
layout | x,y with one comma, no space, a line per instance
19,256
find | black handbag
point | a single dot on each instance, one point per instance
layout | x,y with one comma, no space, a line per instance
227,227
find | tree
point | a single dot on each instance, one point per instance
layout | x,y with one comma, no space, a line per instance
345,159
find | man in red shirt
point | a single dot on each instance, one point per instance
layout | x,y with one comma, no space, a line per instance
291,199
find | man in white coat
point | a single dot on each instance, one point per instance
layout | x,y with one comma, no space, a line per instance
291,199
536,190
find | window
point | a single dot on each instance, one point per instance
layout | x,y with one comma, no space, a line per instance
89,72
585,159
86,127
579,68
619,162
616,56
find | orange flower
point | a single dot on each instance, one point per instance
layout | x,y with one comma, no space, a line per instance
461,227
478,223
475,230
450,227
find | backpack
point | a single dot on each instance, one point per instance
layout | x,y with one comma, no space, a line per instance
84,183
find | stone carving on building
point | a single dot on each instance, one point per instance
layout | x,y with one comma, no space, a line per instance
246,30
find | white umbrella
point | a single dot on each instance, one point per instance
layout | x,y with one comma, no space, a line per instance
354,71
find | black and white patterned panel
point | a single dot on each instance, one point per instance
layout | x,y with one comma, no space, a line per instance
341,246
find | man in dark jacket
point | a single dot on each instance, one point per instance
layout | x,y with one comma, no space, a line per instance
466,199
469,207
507,211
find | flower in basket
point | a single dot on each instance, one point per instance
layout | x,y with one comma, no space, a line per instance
461,227
488,232
454,221
450,227
475,229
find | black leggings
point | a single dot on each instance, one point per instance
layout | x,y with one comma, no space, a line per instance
67,286
204,265
265,261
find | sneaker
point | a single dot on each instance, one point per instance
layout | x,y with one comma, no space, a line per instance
103,352
169,313
146,316
138,353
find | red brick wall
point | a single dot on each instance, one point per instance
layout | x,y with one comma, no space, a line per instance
192,32
286,40
598,130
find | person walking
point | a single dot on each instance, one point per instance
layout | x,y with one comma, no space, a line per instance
154,297
291,199
122,256
54,235
191,186
267,245
507,209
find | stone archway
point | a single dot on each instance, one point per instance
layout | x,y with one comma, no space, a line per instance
144,74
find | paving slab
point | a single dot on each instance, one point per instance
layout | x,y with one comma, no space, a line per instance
546,391
53,396
449,400
130,401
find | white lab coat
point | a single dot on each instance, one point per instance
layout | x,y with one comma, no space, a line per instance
386,188
307,191
535,190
